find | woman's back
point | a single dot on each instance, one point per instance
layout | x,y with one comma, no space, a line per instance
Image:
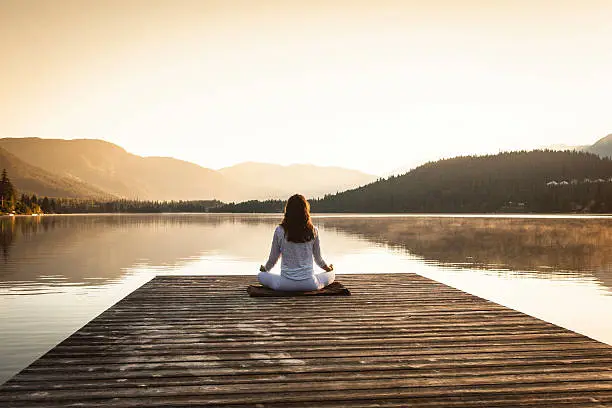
296,257
296,240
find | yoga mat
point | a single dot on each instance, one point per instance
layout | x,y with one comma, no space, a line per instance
334,289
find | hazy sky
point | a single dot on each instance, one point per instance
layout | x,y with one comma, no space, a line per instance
371,85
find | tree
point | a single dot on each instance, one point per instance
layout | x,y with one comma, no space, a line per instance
46,205
7,193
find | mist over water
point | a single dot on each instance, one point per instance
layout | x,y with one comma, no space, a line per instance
59,272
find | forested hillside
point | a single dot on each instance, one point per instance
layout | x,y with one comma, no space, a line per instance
514,181
31,179
109,168
536,181
112,171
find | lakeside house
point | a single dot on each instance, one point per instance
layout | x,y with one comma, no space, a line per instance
573,182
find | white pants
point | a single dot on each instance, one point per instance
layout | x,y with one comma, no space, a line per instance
278,282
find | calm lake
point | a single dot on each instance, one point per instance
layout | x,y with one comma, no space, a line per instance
59,272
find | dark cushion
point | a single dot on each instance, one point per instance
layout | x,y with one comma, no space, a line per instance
334,289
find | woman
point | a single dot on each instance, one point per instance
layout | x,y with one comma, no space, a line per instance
297,240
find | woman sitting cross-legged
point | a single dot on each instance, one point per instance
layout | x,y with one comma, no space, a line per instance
296,241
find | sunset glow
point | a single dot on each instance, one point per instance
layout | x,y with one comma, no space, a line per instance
373,86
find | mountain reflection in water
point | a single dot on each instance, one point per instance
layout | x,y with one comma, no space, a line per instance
94,249
98,248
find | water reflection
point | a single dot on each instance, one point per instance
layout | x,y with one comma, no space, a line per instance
547,247
96,249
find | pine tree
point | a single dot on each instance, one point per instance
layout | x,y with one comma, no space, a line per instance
46,205
7,193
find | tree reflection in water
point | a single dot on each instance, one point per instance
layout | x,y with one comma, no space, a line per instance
546,246
104,246
94,249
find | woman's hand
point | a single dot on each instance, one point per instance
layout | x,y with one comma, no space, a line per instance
329,268
262,268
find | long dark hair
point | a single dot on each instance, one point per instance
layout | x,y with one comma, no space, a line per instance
296,222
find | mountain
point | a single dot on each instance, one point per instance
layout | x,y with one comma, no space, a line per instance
564,147
107,167
30,179
488,184
603,147
110,168
278,181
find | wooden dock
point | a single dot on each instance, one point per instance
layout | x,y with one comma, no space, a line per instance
399,340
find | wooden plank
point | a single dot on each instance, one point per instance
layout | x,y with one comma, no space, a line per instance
350,373
400,339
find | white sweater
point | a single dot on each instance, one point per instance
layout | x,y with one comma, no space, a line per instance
297,257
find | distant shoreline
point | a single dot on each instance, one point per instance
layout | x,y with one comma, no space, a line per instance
337,214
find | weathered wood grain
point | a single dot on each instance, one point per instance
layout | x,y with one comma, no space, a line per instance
399,340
